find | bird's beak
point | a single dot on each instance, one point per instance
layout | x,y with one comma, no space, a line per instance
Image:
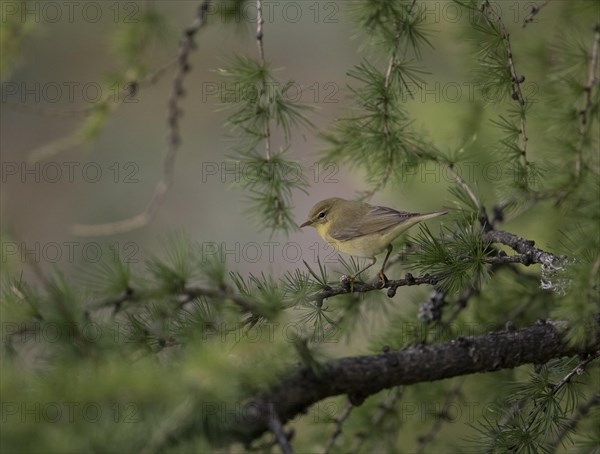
306,223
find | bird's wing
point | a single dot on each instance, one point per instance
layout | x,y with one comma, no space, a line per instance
377,219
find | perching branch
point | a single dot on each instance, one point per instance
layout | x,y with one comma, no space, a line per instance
529,255
186,46
367,375
392,286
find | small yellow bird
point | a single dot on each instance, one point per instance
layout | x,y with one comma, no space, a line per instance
360,229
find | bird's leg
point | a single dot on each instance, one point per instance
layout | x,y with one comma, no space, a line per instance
352,278
382,276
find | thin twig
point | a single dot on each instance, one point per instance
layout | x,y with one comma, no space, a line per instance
516,80
386,128
534,11
461,304
501,259
424,440
525,247
116,98
186,46
109,103
339,422
511,412
261,53
411,6
259,31
465,186
277,429
572,423
577,370
473,291
186,294
386,106
563,192
383,409
391,285
529,255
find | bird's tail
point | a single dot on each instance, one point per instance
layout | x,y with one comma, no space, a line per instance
435,214
420,217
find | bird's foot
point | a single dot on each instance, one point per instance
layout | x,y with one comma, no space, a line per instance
351,279
383,280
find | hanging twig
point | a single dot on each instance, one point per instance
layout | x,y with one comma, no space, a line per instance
186,46
493,17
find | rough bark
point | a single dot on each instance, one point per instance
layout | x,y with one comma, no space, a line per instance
361,376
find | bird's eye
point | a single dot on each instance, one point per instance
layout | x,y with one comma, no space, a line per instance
321,215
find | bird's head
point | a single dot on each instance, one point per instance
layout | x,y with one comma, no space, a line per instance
320,215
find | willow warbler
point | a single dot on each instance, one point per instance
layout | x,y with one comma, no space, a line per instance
360,229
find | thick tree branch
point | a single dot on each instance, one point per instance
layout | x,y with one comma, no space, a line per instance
362,376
